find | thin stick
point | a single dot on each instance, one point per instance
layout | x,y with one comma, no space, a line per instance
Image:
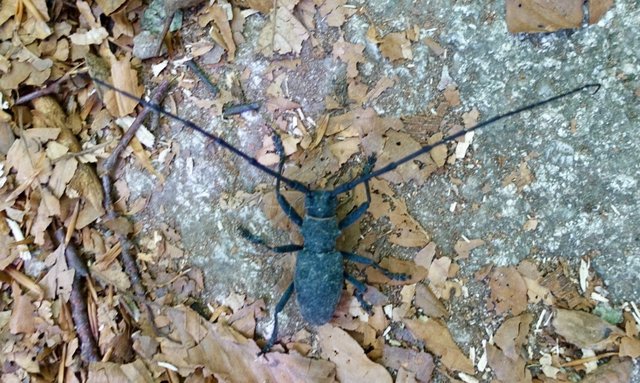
89,351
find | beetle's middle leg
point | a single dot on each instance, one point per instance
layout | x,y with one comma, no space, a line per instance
259,241
369,262
284,204
360,210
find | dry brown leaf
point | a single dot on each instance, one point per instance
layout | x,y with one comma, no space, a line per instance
398,145
384,203
564,290
630,347
352,365
511,335
464,247
505,369
94,36
542,15
219,15
520,177
438,274
438,340
107,372
23,314
616,371
508,291
434,46
350,54
429,303
585,330
597,9
222,351
452,95
343,150
396,47
335,12
263,6
417,362
125,78
289,34
110,6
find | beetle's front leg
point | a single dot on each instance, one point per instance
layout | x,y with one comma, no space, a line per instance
360,210
284,204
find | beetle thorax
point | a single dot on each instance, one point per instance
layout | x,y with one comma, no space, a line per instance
320,225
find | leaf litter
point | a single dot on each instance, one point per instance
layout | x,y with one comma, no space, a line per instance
546,317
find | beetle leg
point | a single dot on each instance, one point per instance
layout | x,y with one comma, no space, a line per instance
369,262
360,210
259,241
360,289
279,307
284,204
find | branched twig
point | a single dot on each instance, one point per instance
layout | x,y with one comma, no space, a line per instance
49,89
110,164
106,171
89,351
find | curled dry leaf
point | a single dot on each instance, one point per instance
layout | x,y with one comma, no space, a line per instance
585,330
352,365
438,340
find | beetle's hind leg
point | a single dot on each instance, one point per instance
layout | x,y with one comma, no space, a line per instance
360,289
249,236
279,307
284,204
360,210
366,261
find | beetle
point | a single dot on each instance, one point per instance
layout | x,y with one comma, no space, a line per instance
319,272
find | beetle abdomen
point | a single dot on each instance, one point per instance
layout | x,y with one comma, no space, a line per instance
318,284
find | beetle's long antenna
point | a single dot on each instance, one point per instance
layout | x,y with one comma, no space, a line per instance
251,160
425,149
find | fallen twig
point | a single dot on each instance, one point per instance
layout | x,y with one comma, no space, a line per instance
89,351
106,171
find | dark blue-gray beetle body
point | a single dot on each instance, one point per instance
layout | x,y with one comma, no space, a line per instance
319,274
